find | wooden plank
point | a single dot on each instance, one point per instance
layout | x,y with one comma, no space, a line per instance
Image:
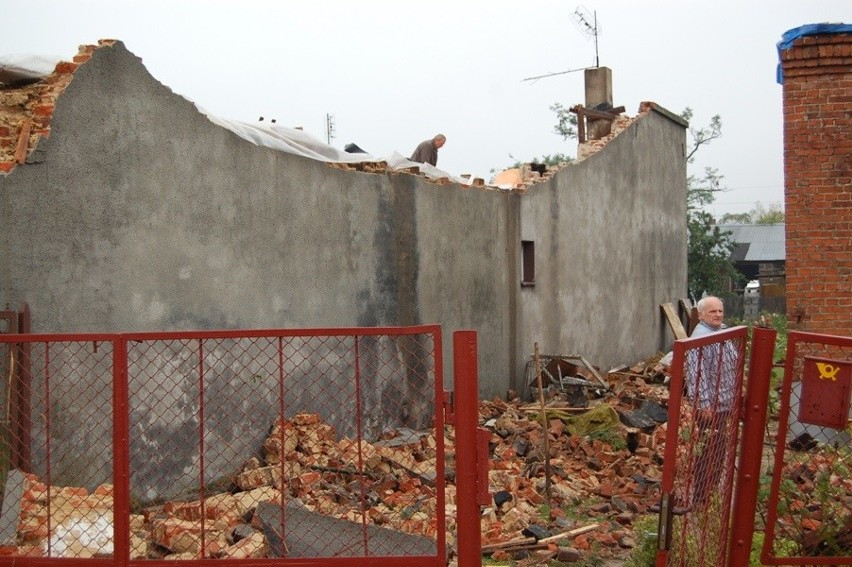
561,407
517,543
570,533
594,372
674,320
581,123
611,114
690,313
544,433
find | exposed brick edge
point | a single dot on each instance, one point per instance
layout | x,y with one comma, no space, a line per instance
829,54
620,124
26,112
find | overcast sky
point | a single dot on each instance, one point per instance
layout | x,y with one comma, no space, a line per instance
391,74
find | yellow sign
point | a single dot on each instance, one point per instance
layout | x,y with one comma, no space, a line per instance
827,371
826,395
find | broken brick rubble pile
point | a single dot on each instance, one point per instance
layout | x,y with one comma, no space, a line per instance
598,483
321,474
605,467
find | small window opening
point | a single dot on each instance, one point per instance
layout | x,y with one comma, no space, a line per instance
527,263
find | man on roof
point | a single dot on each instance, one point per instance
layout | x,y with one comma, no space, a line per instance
427,150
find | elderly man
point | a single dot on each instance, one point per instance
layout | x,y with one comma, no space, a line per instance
711,387
427,150
712,390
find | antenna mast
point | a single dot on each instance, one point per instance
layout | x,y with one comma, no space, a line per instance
597,59
581,16
329,128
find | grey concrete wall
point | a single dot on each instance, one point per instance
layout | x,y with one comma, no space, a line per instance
140,214
137,213
610,240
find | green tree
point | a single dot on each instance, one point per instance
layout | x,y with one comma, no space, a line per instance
566,126
546,159
566,121
709,265
735,218
772,214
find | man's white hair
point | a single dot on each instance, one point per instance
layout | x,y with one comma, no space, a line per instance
702,303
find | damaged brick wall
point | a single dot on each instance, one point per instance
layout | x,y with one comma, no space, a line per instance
817,71
25,112
161,232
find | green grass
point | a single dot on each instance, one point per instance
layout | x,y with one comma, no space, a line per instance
645,534
611,437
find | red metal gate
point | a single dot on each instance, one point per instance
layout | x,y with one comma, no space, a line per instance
791,479
700,454
809,516
318,447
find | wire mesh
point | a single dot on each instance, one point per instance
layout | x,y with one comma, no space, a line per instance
58,489
284,444
806,474
707,376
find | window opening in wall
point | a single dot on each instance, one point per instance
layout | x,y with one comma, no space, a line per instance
527,263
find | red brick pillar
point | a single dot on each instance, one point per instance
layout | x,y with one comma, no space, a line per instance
816,74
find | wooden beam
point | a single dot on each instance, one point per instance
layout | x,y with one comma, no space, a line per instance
581,123
517,543
611,114
674,321
689,312
570,534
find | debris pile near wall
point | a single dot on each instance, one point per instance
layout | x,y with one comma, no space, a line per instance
80,524
605,468
319,470
602,472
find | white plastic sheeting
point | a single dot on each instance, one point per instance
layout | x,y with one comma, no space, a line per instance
295,141
15,68
22,67
82,537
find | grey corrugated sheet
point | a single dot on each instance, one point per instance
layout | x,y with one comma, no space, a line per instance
765,241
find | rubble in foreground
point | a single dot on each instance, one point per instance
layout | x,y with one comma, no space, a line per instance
603,472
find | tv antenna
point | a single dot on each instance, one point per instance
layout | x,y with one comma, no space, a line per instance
582,19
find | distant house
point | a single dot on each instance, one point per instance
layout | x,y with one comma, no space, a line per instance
759,253
759,249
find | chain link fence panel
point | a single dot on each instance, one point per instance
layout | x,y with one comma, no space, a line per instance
286,444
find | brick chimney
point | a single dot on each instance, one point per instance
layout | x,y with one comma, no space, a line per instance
815,71
598,97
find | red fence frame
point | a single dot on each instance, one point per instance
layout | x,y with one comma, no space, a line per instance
695,532
754,423
799,345
828,460
469,482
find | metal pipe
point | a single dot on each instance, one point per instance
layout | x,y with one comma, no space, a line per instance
465,377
